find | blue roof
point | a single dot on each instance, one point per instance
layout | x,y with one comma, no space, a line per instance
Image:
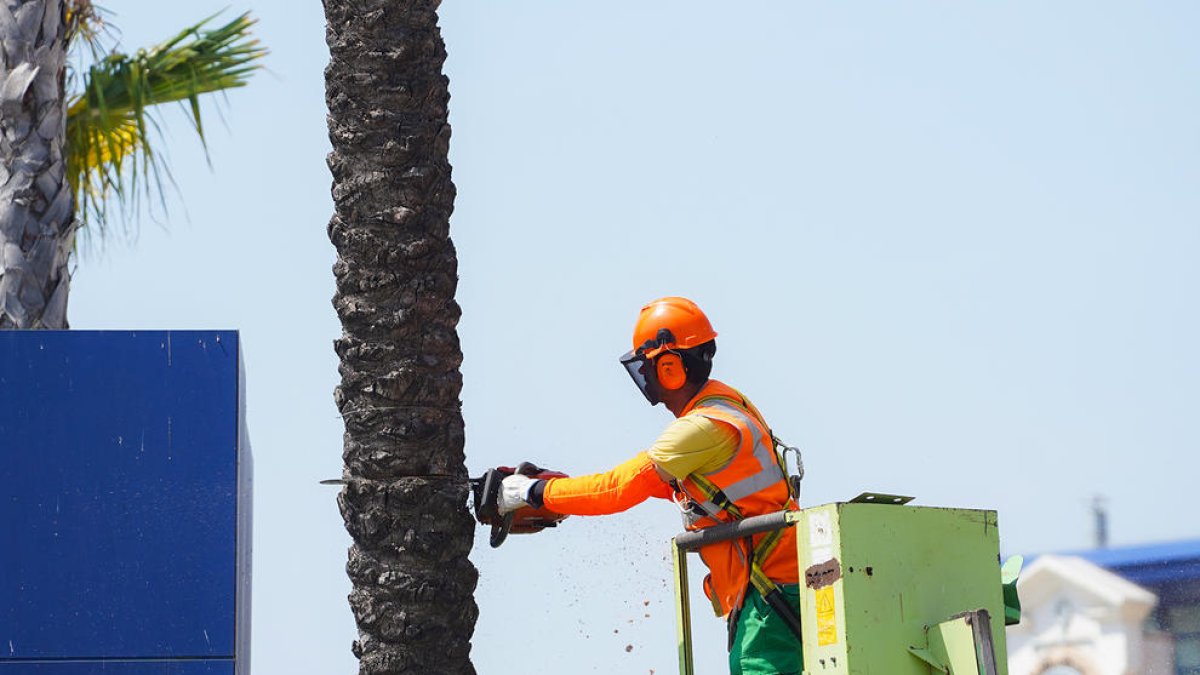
1149,564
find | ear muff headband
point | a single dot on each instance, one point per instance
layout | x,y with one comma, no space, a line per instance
670,371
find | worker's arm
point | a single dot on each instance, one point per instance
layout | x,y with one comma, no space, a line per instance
624,487
691,444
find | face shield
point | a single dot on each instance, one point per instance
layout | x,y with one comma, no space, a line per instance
641,369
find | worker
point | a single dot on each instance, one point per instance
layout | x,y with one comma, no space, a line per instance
717,461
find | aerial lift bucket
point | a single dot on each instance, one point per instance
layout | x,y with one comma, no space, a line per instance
885,587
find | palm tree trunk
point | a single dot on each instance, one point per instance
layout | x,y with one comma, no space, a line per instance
37,211
404,502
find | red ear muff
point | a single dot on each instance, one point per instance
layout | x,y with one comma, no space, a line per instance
669,368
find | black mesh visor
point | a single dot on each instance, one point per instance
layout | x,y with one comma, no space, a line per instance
641,370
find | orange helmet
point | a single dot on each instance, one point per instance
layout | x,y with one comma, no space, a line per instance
665,328
670,323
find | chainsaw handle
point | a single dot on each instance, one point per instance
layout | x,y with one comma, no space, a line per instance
500,530
529,469
487,491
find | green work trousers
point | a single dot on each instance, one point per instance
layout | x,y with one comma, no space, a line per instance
763,644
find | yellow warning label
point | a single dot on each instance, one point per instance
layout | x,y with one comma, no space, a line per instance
826,617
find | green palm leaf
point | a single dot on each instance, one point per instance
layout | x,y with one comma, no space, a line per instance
110,133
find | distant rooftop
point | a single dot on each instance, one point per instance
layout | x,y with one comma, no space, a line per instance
1149,564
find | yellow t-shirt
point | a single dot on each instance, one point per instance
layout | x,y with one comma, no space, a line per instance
694,443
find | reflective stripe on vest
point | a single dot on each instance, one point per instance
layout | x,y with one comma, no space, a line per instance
768,473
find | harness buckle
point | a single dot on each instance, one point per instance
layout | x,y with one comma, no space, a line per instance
793,479
689,509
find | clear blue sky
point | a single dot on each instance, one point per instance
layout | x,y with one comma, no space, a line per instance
950,249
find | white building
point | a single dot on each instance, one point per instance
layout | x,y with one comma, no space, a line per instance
1079,619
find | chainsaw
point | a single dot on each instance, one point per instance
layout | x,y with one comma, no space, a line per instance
524,520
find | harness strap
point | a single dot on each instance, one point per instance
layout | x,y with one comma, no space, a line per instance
765,546
713,494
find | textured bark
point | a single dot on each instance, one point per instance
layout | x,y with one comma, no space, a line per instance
404,503
37,211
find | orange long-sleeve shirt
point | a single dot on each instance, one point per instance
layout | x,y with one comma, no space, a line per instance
690,443
625,486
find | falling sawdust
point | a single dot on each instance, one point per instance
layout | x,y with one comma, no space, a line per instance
650,558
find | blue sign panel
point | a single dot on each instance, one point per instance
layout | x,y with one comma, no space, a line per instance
125,503
119,667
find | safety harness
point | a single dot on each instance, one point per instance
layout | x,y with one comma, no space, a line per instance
712,494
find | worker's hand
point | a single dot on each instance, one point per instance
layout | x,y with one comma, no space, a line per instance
514,492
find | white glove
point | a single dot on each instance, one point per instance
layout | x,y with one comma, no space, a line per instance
514,492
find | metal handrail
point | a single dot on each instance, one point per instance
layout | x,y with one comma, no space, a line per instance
691,541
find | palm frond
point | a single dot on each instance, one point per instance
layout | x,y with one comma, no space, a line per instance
85,22
111,134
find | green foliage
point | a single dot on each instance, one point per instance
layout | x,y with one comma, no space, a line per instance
86,23
111,135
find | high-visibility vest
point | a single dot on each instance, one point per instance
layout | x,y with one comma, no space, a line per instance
751,483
